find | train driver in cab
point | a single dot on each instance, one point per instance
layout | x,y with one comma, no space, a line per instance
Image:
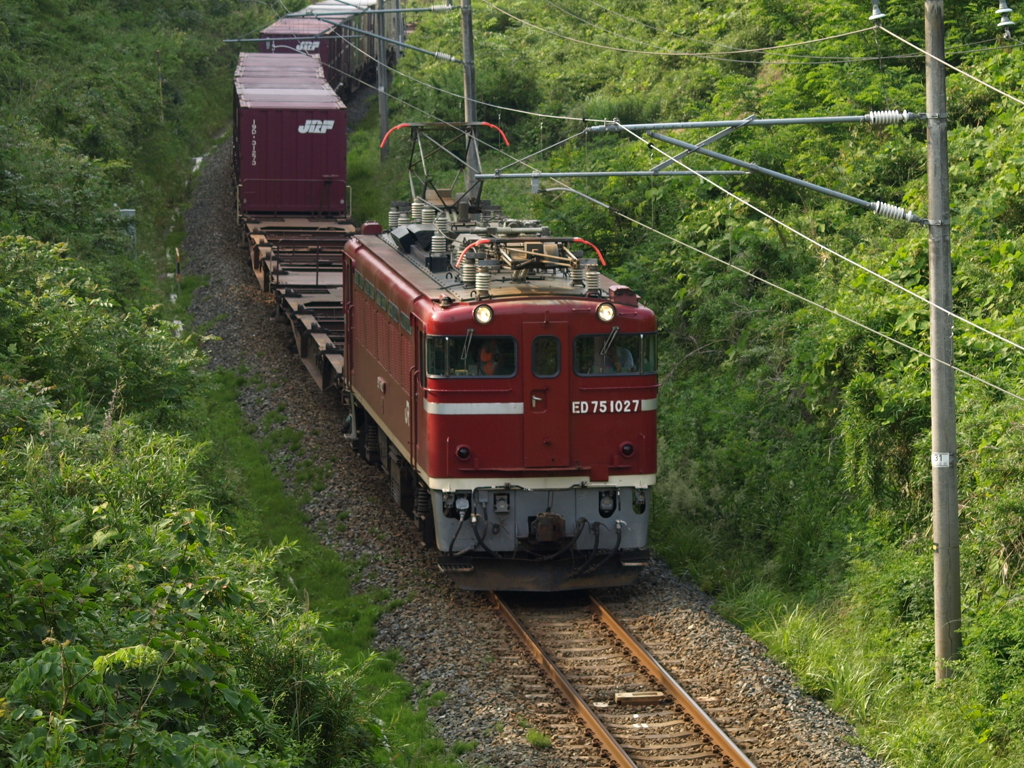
489,357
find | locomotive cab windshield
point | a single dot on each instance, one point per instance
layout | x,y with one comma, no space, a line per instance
471,355
615,353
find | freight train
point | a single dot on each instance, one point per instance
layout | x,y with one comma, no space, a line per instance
507,388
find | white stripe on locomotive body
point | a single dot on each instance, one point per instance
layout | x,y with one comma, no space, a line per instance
474,409
536,483
499,409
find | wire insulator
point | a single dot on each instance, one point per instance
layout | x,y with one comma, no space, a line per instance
893,212
592,278
1004,19
469,272
483,282
393,218
404,217
576,276
438,243
889,117
417,210
428,215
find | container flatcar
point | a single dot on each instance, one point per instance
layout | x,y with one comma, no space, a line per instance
290,170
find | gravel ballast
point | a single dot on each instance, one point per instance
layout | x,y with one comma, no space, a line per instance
452,641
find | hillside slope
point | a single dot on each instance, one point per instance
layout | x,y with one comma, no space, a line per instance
795,473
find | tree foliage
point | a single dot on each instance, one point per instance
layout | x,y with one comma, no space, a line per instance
138,630
795,443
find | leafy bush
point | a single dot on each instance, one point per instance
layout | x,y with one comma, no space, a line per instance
138,628
60,327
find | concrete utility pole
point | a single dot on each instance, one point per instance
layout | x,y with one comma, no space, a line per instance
469,91
382,77
945,509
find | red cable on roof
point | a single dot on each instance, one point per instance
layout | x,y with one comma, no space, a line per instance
596,249
471,245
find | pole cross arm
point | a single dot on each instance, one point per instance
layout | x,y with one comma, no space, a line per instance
882,209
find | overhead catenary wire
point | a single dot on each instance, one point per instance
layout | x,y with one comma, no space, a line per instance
967,47
727,48
814,303
597,26
809,239
752,275
952,67
572,118
530,113
822,246
736,267
778,287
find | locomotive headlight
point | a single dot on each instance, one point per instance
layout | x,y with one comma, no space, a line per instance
606,505
605,312
639,500
483,314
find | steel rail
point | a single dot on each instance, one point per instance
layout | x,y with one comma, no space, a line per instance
721,741
613,750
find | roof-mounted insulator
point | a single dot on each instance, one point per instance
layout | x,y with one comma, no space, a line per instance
876,11
483,281
895,212
889,117
1005,24
438,244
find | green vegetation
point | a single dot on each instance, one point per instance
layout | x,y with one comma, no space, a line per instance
139,628
162,601
538,739
795,474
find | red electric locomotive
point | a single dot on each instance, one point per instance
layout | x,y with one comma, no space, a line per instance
505,386
510,392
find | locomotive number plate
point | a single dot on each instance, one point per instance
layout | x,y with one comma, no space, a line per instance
606,406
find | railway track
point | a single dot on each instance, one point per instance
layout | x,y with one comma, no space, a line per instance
637,715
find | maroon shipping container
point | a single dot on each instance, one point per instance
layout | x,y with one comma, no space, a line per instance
310,36
289,143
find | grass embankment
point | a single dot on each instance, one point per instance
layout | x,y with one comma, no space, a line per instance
316,577
795,476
